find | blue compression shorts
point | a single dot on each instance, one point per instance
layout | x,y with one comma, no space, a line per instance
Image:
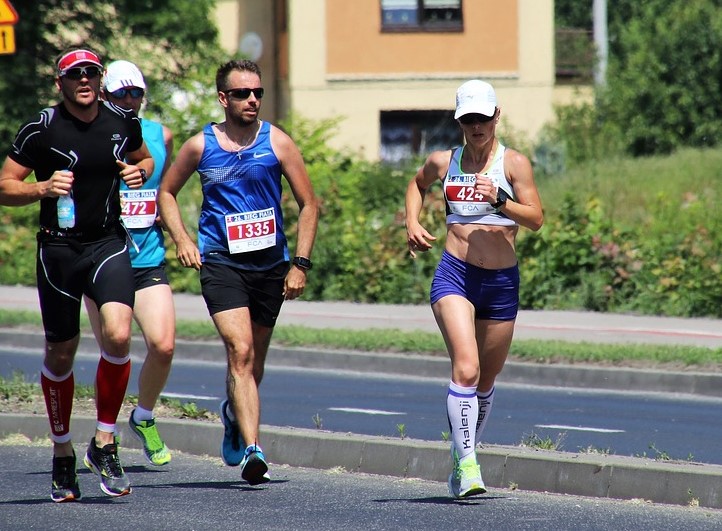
493,292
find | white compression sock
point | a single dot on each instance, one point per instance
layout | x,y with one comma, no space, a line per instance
462,409
485,402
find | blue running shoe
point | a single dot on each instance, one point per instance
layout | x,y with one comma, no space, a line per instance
254,467
231,447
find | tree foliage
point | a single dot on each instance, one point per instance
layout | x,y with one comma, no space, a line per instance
664,86
664,76
168,39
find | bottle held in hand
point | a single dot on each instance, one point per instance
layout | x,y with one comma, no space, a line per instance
66,211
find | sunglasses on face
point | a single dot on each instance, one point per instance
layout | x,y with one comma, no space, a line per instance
80,72
134,92
473,118
244,93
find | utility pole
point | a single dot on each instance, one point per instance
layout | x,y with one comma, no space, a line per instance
601,44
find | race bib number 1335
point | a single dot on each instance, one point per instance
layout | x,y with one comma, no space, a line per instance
251,231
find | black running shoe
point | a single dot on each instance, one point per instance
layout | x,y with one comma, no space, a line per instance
65,480
105,462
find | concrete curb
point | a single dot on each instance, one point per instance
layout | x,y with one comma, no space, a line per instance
555,375
591,475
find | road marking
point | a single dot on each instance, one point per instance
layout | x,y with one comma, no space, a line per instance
364,411
192,397
577,428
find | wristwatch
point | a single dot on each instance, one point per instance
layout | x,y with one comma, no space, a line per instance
143,175
302,262
501,197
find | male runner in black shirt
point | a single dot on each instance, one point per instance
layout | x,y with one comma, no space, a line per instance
78,146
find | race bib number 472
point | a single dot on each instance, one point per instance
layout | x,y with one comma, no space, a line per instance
138,208
251,231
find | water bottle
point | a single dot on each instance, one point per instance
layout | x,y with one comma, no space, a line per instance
66,211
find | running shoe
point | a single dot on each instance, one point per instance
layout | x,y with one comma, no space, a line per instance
105,462
254,467
465,478
65,480
231,446
154,449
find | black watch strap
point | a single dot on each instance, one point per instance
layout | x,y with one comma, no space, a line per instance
501,197
143,175
302,262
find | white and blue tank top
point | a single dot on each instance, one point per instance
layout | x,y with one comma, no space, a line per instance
463,203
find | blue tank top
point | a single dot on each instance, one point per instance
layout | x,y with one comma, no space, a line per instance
241,221
139,208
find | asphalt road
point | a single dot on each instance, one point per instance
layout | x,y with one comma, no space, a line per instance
597,476
198,493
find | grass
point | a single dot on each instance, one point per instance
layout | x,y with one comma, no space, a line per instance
658,177
431,343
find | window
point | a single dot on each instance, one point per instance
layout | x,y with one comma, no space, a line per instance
406,134
421,15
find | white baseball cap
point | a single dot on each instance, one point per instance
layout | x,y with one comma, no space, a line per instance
121,74
476,97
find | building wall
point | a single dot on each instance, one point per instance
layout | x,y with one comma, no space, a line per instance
334,60
358,47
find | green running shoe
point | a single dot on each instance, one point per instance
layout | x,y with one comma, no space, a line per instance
465,478
154,449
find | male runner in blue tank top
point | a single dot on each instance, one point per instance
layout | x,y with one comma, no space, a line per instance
242,253
84,147
489,192
124,85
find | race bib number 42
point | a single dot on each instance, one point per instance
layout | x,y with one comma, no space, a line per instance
138,208
251,231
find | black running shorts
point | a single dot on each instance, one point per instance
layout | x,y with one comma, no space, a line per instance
225,287
66,269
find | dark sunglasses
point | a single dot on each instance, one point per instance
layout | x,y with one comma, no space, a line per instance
473,118
134,92
79,72
244,93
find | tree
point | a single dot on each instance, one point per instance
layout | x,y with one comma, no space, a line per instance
665,76
168,39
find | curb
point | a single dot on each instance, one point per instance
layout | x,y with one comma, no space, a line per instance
553,375
601,476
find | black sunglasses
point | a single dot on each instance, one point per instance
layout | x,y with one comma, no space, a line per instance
244,93
79,72
473,118
134,92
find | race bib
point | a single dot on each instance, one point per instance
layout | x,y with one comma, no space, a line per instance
463,198
251,231
138,208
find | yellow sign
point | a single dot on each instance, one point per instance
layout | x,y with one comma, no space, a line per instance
7,38
8,15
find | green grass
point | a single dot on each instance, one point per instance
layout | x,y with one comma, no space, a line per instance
431,343
631,189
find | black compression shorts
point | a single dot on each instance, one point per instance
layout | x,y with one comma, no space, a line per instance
66,269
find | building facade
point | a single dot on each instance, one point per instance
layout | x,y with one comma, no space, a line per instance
389,69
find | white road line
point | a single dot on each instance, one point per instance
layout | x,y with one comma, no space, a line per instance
365,411
192,397
577,428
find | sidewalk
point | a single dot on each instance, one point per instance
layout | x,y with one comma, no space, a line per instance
529,469
561,325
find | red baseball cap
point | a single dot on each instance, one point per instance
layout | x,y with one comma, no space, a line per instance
76,58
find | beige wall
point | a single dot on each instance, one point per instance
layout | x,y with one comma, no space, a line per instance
236,18
340,64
